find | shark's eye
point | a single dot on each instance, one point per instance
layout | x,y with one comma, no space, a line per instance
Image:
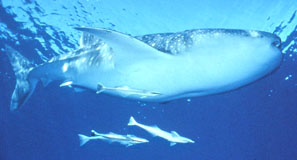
277,43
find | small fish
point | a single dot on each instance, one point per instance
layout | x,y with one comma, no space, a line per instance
172,137
126,91
127,140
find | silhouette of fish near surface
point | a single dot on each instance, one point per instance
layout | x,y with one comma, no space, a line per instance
156,67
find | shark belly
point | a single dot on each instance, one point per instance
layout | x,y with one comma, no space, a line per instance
201,71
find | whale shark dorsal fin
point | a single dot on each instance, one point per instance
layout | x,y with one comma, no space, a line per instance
175,134
120,41
88,39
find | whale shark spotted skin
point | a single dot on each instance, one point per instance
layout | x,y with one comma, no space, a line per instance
156,67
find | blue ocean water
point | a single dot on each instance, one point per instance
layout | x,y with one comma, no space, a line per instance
255,122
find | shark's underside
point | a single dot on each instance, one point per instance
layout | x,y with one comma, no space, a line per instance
157,67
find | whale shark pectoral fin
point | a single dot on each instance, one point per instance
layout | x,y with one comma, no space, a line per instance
122,42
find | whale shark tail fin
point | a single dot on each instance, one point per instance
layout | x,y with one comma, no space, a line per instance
83,139
24,87
132,122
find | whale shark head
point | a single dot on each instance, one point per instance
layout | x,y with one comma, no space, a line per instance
224,59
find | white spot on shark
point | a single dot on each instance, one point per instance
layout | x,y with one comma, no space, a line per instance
254,33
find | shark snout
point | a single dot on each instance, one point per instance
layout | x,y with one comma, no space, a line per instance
273,38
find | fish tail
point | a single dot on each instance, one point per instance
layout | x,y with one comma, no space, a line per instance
83,139
132,122
24,87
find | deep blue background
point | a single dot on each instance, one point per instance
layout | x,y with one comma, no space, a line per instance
258,121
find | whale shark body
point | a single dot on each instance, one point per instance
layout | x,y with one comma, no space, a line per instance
156,67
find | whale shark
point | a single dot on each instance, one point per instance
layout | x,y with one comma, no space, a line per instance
173,137
154,67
